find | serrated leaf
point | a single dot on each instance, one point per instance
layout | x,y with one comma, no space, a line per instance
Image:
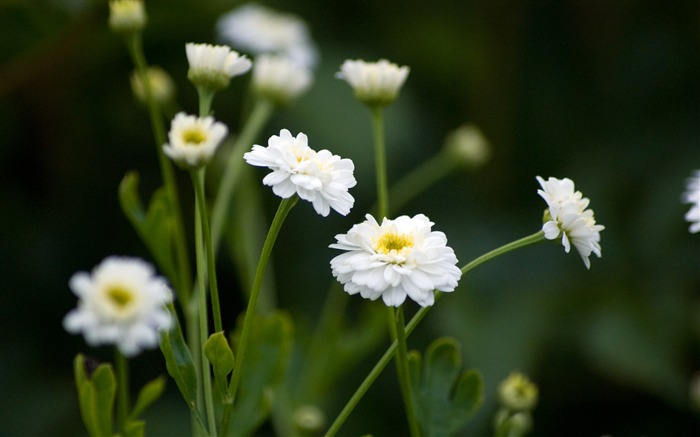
219,354
147,396
178,362
445,399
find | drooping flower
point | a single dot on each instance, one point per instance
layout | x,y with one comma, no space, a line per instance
399,258
213,66
193,140
318,177
692,196
261,30
280,79
374,83
122,303
126,16
567,215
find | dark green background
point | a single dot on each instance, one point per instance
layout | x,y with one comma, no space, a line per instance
604,92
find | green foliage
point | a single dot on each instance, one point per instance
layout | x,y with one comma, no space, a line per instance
445,399
147,396
96,395
179,363
220,355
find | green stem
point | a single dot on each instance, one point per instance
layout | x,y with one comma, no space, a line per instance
402,370
122,367
420,314
259,116
282,211
206,96
380,163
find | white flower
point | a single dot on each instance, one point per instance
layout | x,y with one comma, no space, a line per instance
193,140
375,83
258,30
280,79
397,258
318,177
214,66
692,196
122,303
126,16
567,216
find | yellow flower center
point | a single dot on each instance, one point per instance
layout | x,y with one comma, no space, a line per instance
389,243
194,137
120,296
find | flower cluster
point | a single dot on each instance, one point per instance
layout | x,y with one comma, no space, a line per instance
318,177
212,66
193,140
567,215
374,83
279,79
399,258
123,303
692,196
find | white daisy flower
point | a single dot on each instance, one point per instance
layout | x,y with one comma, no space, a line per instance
280,79
399,258
126,16
122,303
213,66
259,30
193,140
374,83
567,216
692,196
318,177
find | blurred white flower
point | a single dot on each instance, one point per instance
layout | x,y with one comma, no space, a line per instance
122,303
280,79
257,29
397,258
318,177
374,83
567,216
692,196
126,16
193,140
213,66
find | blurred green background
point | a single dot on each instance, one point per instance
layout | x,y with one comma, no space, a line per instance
604,92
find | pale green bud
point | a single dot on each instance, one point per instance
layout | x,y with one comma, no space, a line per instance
468,144
127,16
309,419
161,85
517,393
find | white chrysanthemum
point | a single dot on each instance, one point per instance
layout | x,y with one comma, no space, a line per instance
397,258
280,79
122,303
193,140
567,216
258,30
692,196
126,16
374,83
318,177
214,66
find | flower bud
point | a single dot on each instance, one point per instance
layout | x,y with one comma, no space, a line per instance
468,145
517,393
309,419
161,86
127,16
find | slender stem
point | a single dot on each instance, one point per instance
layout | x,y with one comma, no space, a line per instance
122,367
380,162
198,182
206,96
404,378
204,389
282,211
259,116
420,314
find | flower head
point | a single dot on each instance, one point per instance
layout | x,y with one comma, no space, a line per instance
518,393
280,79
259,30
161,85
213,67
193,140
567,216
399,258
319,177
692,196
127,16
122,303
375,83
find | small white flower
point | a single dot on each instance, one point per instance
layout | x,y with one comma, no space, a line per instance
318,177
193,140
126,16
122,303
375,83
567,216
280,79
692,196
258,30
397,258
214,66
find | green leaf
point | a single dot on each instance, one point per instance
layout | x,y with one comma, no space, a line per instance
148,394
86,396
135,428
178,361
445,399
96,394
219,354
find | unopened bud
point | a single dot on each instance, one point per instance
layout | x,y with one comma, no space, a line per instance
517,393
468,144
127,16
